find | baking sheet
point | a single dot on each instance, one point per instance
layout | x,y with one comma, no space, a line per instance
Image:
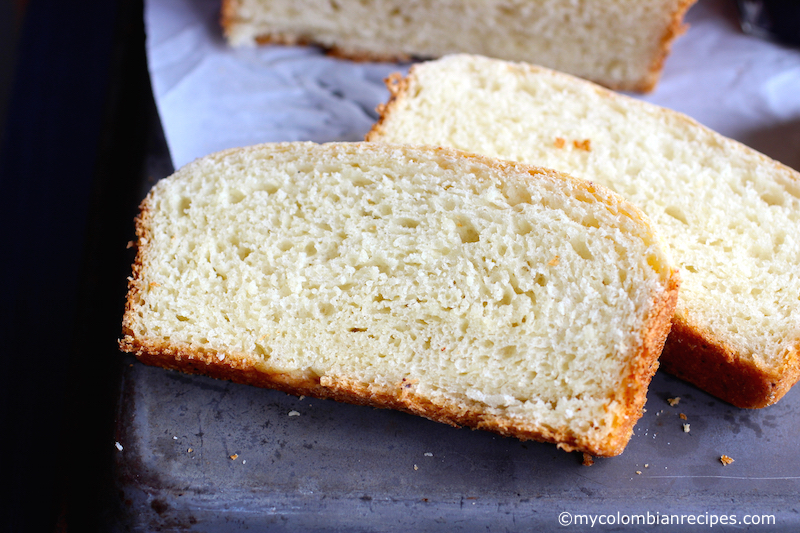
197,454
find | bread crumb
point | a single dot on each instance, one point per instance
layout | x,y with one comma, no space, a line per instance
234,456
673,401
130,245
683,416
686,428
725,460
118,446
302,398
559,143
638,472
583,145
416,467
647,465
294,413
190,450
588,460
428,454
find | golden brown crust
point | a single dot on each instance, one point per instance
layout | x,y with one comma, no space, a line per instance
717,369
399,396
228,15
361,56
674,30
633,393
398,86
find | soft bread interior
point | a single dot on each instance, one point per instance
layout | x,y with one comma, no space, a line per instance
501,289
728,214
620,43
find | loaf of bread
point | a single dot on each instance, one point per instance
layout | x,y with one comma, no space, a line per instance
467,290
618,43
729,215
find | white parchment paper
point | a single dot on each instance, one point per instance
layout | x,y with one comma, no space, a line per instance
211,96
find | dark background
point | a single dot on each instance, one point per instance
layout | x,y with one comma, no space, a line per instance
75,111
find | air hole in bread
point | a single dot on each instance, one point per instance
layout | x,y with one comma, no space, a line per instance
466,231
263,351
523,227
408,223
582,249
773,198
269,188
236,196
516,194
184,205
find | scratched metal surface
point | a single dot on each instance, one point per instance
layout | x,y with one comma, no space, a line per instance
200,454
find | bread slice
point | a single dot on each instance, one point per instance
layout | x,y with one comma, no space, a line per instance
466,290
618,43
730,216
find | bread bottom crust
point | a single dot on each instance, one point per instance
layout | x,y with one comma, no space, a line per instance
644,85
400,396
718,370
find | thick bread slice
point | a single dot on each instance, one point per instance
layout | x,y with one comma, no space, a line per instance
729,215
618,43
467,290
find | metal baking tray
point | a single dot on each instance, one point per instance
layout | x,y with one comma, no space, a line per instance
193,453
198,454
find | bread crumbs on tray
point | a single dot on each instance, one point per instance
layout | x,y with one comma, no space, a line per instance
118,446
683,416
725,460
673,401
234,456
686,428
587,459
294,413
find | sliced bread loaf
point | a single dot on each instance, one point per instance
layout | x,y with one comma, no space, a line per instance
618,43
729,215
467,290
